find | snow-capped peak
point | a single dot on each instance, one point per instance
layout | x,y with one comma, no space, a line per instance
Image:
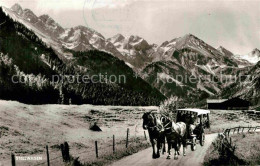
30,16
116,38
190,38
252,57
189,35
190,42
47,23
17,9
131,46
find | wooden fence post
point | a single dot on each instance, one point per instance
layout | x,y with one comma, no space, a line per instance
127,135
13,159
96,149
238,129
47,153
62,151
114,149
65,151
145,136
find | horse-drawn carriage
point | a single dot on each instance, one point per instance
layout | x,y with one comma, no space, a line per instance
197,120
179,127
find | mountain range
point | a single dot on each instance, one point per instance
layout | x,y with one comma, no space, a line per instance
161,69
35,56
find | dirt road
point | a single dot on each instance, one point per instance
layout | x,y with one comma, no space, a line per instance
144,158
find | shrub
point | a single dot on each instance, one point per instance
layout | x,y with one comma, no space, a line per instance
224,153
168,106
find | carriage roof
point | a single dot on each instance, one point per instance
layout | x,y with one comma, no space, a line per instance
195,110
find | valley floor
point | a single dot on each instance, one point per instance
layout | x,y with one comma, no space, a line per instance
27,129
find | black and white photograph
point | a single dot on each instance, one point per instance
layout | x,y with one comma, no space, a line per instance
129,82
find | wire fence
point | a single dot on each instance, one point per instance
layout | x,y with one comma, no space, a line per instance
226,146
240,129
95,152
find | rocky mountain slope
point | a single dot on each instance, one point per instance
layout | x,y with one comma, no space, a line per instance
188,66
185,66
247,87
240,61
134,50
137,51
44,22
25,55
78,38
224,51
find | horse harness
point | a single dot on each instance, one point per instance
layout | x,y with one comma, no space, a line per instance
171,127
155,125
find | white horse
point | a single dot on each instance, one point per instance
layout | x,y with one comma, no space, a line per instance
176,135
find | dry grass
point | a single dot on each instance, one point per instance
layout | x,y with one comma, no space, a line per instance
248,147
26,129
223,119
136,145
247,150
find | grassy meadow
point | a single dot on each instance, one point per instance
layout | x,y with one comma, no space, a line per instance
223,119
25,130
247,150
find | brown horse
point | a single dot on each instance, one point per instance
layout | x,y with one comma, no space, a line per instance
176,135
156,132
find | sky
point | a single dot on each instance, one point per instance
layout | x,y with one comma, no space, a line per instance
232,24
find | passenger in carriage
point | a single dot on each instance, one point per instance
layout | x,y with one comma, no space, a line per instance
181,118
190,121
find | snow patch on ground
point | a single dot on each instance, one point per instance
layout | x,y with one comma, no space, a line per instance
201,87
128,64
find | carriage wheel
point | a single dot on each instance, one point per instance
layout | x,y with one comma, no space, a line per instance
202,139
193,144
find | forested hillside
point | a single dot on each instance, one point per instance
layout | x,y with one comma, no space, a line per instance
25,54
